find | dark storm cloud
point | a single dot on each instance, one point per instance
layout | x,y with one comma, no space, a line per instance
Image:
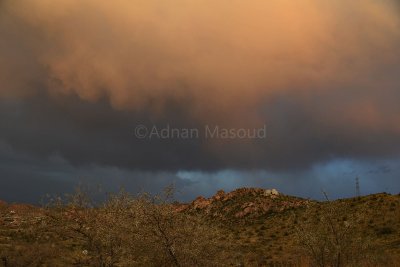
29,179
25,178
87,133
77,77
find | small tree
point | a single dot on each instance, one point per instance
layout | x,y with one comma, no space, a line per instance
128,230
330,239
180,239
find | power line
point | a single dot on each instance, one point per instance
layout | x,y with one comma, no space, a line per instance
357,186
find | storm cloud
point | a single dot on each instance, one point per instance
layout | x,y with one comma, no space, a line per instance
77,77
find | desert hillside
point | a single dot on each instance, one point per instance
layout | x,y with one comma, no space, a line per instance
245,227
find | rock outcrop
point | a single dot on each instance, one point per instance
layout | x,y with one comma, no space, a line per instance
244,203
271,193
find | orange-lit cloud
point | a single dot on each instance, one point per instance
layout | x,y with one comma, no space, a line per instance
320,73
236,51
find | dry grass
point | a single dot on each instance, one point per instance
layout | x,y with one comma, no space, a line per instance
146,230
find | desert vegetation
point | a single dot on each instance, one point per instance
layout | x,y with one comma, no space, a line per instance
329,237
126,230
246,227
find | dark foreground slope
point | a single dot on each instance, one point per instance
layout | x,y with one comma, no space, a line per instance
250,227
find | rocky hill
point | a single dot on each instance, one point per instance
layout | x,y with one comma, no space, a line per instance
244,204
263,220
259,227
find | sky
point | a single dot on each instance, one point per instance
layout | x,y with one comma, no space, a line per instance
81,82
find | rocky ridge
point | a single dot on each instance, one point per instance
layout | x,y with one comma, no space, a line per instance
244,203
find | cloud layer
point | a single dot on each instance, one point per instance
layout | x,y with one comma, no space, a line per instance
76,76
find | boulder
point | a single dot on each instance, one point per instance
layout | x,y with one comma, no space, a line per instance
271,193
